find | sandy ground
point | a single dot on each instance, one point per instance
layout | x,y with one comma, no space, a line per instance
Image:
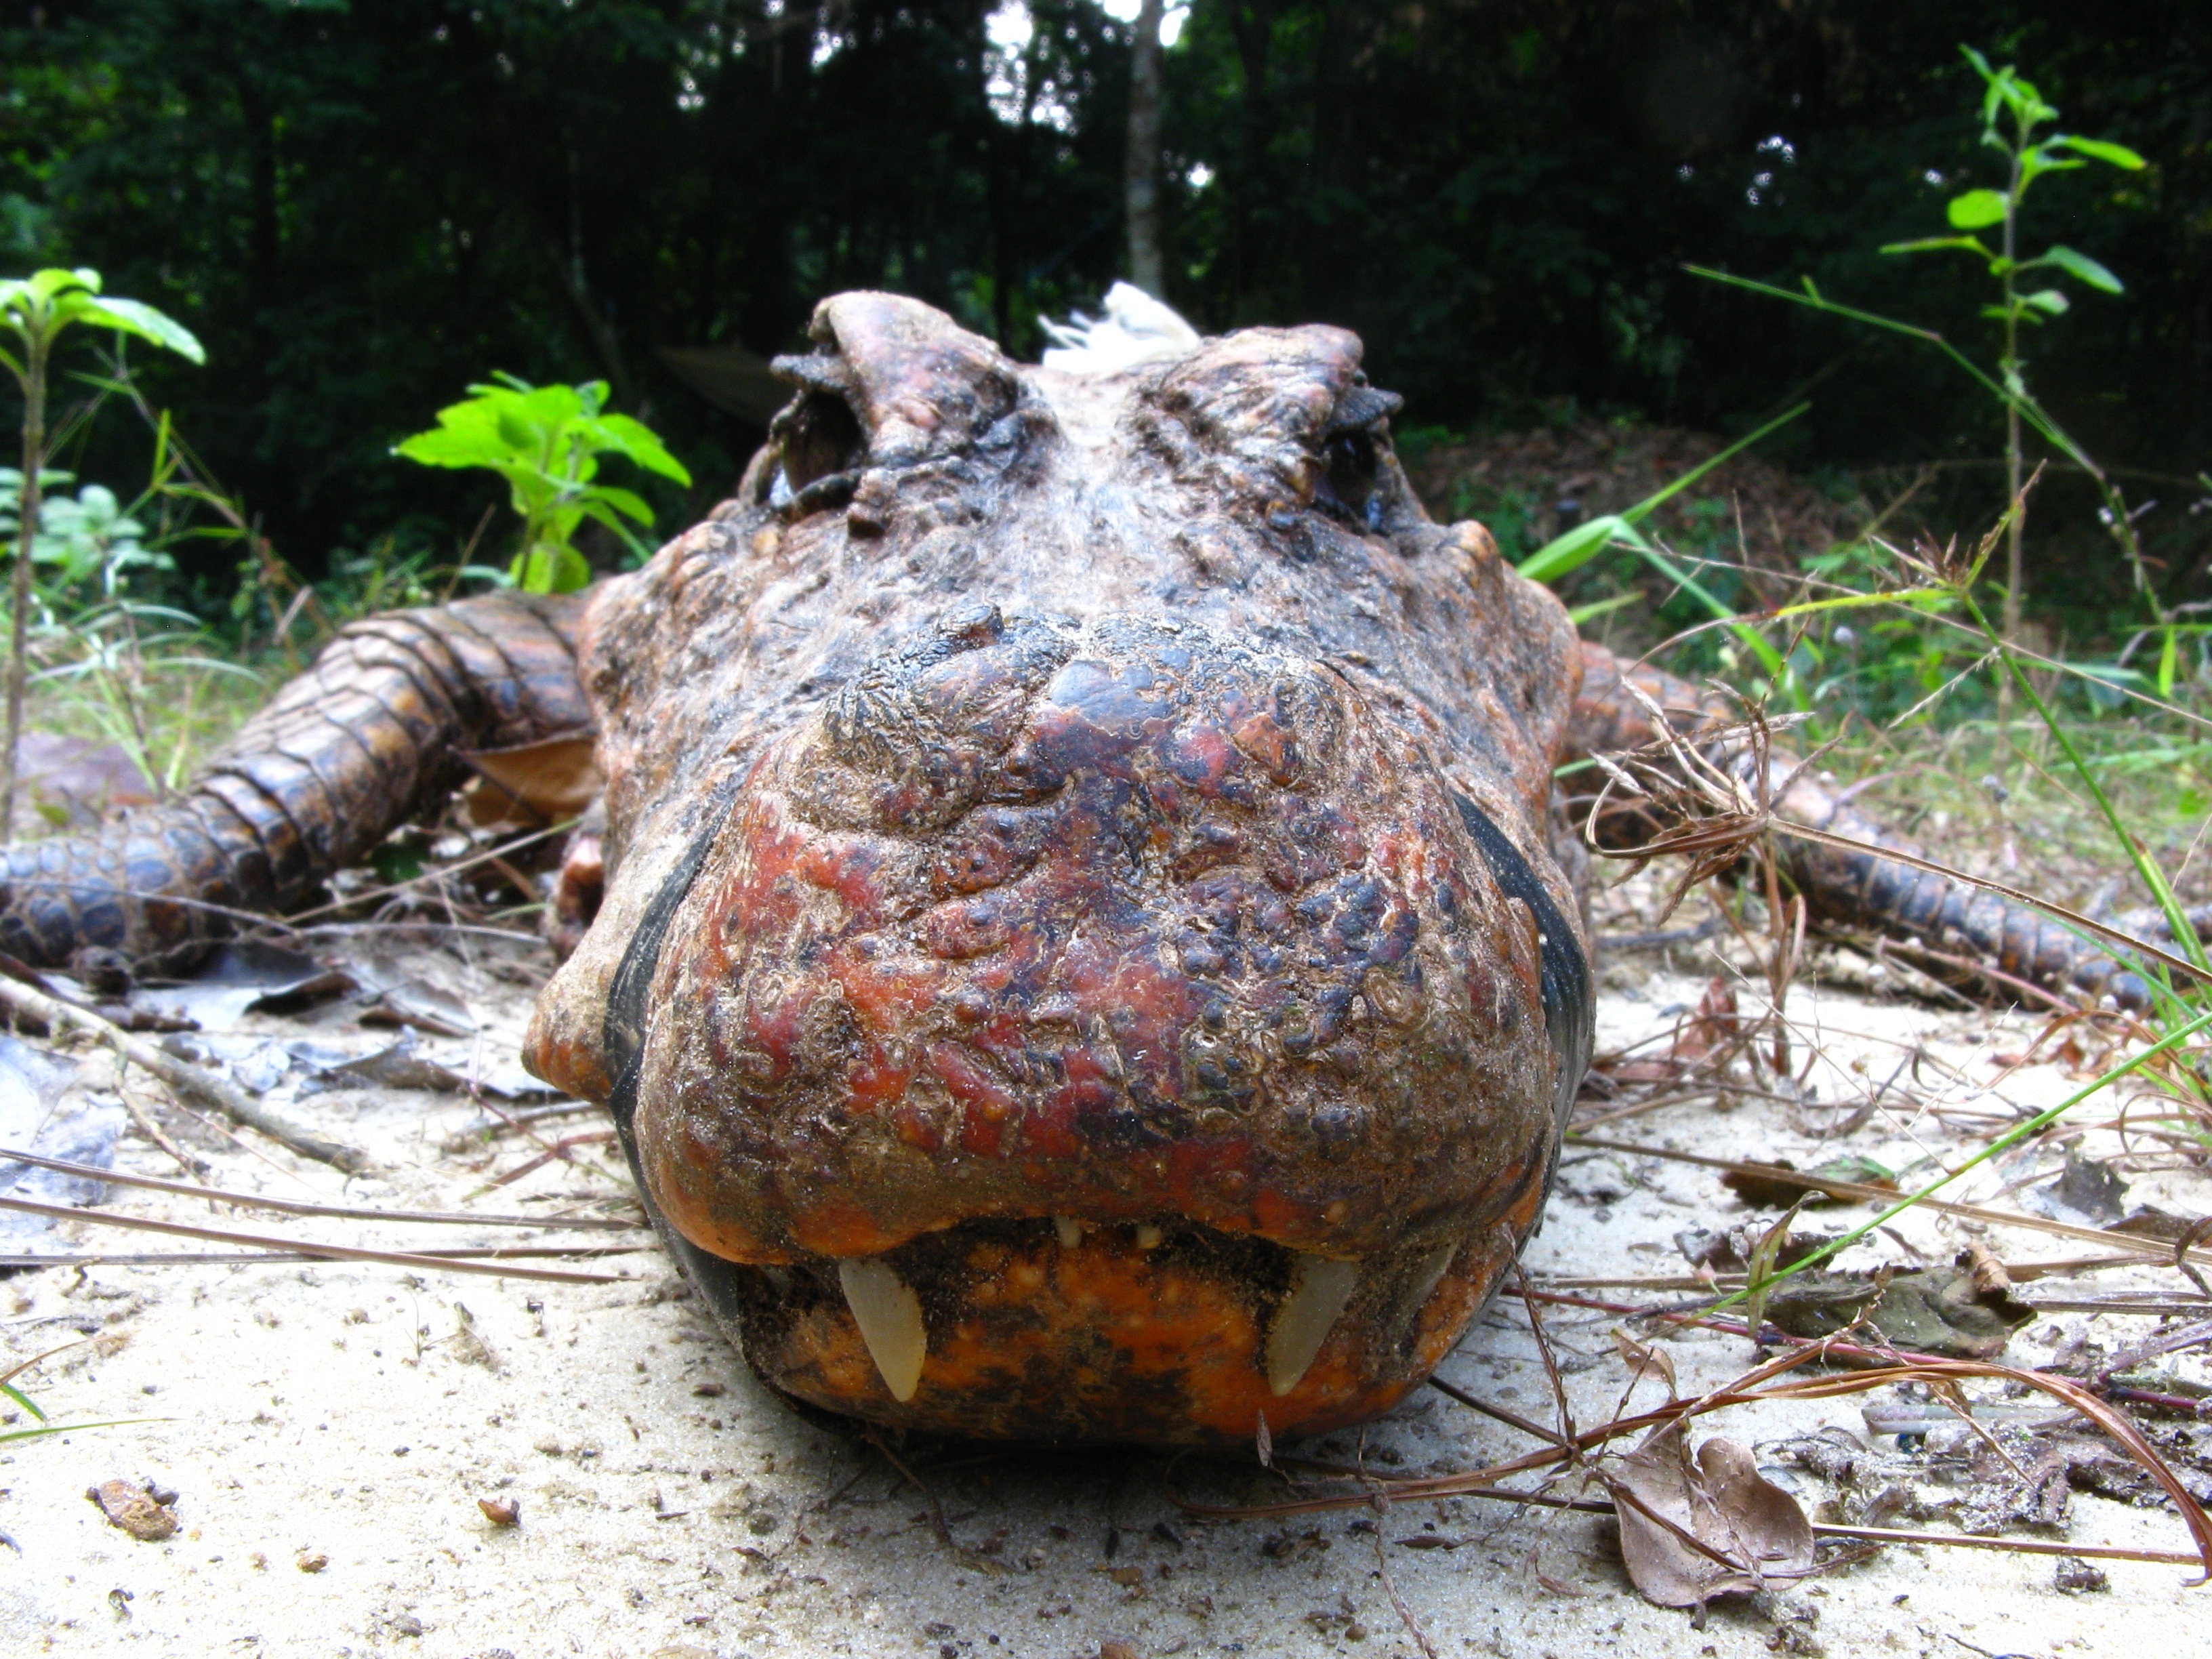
329,1432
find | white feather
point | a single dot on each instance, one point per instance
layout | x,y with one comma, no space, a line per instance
1136,329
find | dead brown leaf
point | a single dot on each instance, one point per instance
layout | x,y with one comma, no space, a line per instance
1774,1192
553,779
1693,1530
1934,1311
1645,1359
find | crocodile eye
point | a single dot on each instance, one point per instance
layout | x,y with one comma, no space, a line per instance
1352,446
1348,485
818,436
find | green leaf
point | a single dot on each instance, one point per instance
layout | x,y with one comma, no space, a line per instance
1577,547
2099,149
623,501
548,406
1976,209
2014,91
129,317
22,1400
47,285
1580,614
452,446
2081,267
516,432
2034,163
2046,299
1931,244
642,445
598,512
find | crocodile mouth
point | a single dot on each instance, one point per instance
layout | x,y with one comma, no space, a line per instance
1159,1332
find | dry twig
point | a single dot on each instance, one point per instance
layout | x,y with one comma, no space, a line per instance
296,1206
332,1252
185,1078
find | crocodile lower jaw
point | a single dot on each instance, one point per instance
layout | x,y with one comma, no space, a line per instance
1162,1333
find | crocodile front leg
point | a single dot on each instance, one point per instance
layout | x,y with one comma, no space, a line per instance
356,745
1848,887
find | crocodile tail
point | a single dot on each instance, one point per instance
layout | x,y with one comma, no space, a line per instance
1851,887
1610,716
343,754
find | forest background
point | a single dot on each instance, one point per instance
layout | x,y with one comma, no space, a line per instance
360,209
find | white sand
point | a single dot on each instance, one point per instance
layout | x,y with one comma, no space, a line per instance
335,1412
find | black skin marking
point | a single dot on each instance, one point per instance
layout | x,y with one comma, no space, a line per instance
724,1283
1570,999
623,1033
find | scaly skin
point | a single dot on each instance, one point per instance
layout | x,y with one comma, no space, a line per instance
1076,854
340,758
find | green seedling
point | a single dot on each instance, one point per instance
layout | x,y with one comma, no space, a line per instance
2013,112
546,441
36,310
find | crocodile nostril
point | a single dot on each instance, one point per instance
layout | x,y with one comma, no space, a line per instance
975,627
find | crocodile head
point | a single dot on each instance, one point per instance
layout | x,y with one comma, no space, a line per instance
1080,956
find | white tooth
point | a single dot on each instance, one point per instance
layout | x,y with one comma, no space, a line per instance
1148,1236
889,1314
1070,1230
1430,1274
1319,1289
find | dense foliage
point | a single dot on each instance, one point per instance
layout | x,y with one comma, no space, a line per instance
362,208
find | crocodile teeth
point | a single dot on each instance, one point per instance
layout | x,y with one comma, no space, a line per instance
1069,1229
889,1314
1319,1289
1430,1274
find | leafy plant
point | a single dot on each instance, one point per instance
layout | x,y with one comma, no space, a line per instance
2013,111
2008,96
546,441
90,538
36,309
133,672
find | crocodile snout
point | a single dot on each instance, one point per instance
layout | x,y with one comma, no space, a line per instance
1153,971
